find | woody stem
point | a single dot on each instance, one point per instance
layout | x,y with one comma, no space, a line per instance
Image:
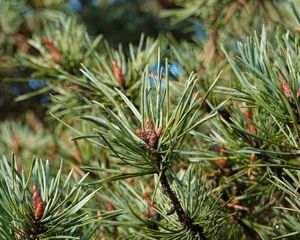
183,217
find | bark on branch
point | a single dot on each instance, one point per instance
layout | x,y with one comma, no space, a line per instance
183,217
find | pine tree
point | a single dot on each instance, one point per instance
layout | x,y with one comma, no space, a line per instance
170,138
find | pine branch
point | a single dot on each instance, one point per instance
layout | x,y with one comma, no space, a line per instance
50,210
183,217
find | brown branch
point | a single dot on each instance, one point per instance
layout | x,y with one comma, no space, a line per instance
231,10
183,217
212,51
150,137
247,7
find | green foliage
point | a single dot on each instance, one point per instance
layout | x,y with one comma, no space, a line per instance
289,184
56,46
151,139
57,216
23,140
151,214
202,146
197,201
12,9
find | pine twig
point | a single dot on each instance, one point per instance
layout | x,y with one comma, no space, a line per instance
184,218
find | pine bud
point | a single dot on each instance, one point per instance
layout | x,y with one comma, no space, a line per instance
252,160
153,140
109,206
150,137
285,87
118,74
38,204
39,211
149,126
298,93
21,42
159,131
151,210
55,53
141,134
252,128
76,155
16,143
248,115
222,162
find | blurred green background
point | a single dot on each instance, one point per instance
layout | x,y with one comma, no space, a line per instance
24,126
120,21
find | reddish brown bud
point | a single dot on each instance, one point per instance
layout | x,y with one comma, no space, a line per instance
76,155
118,74
131,181
39,211
54,148
252,128
16,143
147,196
55,53
153,139
38,204
21,42
141,134
75,85
159,131
252,160
285,87
149,125
150,137
298,93
222,162
151,210
248,115
222,150
109,206
36,196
